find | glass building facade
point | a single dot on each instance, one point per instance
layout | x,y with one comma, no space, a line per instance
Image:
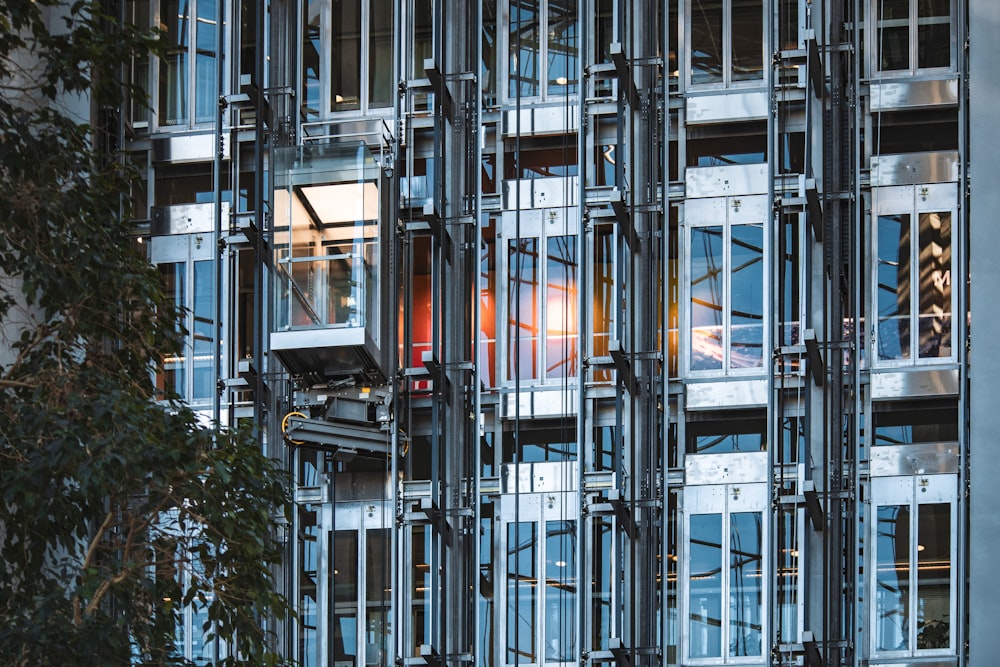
592,331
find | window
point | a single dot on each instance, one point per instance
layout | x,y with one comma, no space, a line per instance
724,572
188,85
914,422
347,48
912,35
542,67
540,301
913,606
546,440
539,596
726,40
912,290
187,270
726,284
734,431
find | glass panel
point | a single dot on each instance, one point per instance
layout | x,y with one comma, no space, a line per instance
345,56
344,573
172,380
746,583
423,37
310,59
932,423
524,48
175,19
705,590
601,584
563,47
206,96
933,33
748,40
380,79
934,576
604,295
935,285
521,586
488,305
706,41
892,578
893,34
485,652
790,281
378,637
307,608
560,307
788,577
488,66
747,300
560,591
893,295
522,309
204,330
706,298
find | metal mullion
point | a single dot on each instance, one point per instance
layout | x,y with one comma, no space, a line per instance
543,49
364,43
327,48
725,574
914,580
727,50
727,291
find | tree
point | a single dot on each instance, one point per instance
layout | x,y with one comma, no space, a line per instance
116,510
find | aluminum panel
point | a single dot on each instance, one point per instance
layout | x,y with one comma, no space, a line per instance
737,179
910,383
542,403
735,468
541,121
913,94
728,107
186,219
914,168
541,192
188,148
922,459
538,477
726,394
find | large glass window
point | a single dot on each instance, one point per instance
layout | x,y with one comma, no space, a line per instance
543,45
726,284
347,56
912,35
541,297
725,573
188,85
913,609
912,290
726,40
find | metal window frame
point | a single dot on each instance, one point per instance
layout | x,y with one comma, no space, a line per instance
727,50
913,200
913,490
725,212
874,30
719,499
505,47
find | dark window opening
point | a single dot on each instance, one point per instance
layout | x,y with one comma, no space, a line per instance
547,440
742,144
915,131
915,422
741,431
541,158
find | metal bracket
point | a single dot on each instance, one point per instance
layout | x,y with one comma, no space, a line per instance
813,505
816,367
439,87
616,505
624,70
435,518
622,654
623,367
437,372
813,657
438,229
617,200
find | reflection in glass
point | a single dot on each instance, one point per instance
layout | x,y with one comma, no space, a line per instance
522,583
893,295
748,40
378,633
934,329
563,47
746,583
706,298
706,41
345,56
344,574
560,590
747,296
788,577
484,654
206,96
522,309
173,379
524,48
380,81
560,307
488,66
203,331
934,576
933,33
307,602
705,590
601,584
604,292
175,20
892,578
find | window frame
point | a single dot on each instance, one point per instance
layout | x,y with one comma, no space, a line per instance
541,225
541,55
725,212
727,81
913,23
912,491
724,500
913,200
